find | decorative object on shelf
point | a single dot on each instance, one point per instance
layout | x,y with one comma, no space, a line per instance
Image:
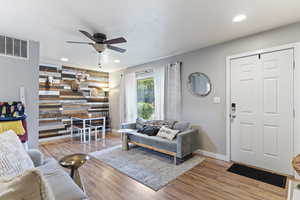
73,162
199,84
96,92
80,77
49,82
75,85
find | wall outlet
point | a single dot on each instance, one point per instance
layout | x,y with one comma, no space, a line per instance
217,100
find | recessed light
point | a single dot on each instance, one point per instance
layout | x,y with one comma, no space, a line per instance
64,59
239,18
117,61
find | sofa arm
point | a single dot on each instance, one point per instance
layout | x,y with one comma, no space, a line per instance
187,142
128,126
36,156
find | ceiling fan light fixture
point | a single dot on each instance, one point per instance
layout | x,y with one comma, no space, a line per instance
64,59
239,18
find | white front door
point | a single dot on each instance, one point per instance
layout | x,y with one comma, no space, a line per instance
262,110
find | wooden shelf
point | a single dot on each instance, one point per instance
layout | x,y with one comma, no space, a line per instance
59,102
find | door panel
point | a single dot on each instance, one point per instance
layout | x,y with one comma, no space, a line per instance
270,140
277,116
246,137
262,131
244,96
270,96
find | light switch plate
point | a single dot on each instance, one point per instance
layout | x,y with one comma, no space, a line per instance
22,95
217,100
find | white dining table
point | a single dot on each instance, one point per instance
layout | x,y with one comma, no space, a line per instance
84,120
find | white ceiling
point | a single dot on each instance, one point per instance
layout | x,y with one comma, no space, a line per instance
153,28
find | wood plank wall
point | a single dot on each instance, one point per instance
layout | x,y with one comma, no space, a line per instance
59,102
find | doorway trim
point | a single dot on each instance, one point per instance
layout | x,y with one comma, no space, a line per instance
296,98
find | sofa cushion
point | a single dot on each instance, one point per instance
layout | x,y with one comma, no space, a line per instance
62,185
167,133
181,126
14,160
153,141
27,186
140,122
149,130
161,123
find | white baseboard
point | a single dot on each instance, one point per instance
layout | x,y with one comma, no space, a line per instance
63,136
212,155
53,138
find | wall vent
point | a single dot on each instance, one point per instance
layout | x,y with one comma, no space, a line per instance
13,47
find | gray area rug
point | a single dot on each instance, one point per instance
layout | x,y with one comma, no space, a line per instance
150,168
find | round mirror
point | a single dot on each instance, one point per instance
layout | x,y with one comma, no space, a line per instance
199,84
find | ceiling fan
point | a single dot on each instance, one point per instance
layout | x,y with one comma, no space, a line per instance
100,42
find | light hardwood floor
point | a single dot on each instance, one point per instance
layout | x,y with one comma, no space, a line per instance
208,181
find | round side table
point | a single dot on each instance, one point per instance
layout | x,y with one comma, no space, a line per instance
73,162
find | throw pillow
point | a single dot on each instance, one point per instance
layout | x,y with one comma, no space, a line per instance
14,160
28,186
167,133
149,130
140,122
181,126
161,123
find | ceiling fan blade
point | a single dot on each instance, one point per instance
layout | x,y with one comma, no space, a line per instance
116,48
72,42
88,35
115,41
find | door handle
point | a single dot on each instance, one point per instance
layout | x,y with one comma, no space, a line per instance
232,116
233,111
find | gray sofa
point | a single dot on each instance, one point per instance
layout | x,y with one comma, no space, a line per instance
184,144
60,181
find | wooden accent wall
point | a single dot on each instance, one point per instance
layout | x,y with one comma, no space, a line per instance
59,102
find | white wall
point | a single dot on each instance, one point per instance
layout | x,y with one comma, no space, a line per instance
202,112
16,73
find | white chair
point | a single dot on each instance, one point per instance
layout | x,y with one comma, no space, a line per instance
81,129
95,126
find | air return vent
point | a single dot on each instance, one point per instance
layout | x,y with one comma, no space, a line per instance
13,47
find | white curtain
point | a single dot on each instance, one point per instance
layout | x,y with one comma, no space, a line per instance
130,97
173,92
159,92
122,99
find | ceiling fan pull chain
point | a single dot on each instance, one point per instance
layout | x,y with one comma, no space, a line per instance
99,61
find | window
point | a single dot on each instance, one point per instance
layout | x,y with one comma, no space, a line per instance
145,97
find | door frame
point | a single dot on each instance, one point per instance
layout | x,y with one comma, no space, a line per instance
296,96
